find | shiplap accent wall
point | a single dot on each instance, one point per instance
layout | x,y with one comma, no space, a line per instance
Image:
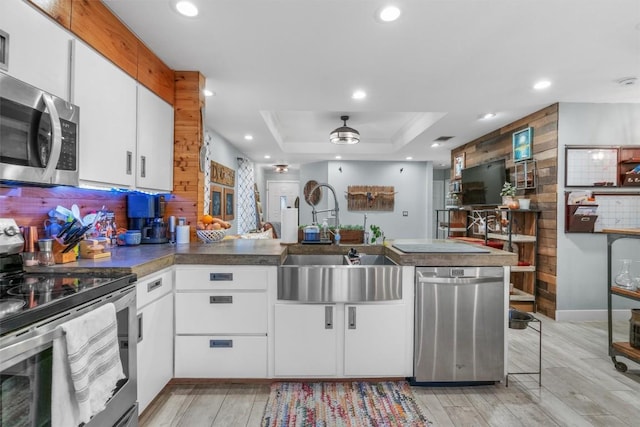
498,145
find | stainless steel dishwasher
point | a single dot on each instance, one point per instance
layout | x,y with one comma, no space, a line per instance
460,324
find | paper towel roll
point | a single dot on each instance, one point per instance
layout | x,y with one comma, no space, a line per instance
182,233
289,225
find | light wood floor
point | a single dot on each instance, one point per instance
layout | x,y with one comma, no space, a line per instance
580,387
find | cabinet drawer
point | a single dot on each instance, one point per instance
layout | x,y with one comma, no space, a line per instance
220,312
221,357
221,277
153,287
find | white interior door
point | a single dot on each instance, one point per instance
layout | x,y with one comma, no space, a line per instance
280,194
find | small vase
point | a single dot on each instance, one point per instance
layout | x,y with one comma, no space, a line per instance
623,279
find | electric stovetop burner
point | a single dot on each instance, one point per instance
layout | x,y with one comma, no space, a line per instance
26,298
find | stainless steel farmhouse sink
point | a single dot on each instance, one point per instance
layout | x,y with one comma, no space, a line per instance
334,278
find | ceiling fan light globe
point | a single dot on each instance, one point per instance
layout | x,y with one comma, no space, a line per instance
345,136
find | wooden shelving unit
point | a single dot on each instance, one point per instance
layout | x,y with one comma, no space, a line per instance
619,348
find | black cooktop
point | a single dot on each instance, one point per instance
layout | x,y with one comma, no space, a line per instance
26,298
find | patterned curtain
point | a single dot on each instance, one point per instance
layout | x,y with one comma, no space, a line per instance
246,197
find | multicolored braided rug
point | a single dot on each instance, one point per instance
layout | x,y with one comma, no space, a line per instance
342,404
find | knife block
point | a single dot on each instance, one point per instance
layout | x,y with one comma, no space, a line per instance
62,258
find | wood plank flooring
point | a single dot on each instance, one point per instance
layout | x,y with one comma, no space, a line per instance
580,387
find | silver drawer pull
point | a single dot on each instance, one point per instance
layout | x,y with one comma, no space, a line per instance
140,326
220,343
352,317
226,299
154,285
328,317
220,277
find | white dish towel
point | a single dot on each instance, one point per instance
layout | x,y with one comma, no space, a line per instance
86,367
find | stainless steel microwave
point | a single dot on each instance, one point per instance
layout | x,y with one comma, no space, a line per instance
38,135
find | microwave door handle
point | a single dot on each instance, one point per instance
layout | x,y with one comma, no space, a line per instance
56,137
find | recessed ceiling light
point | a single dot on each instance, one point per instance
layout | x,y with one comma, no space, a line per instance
338,157
187,8
248,137
409,158
389,14
435,144
359,94
207,92
266,156
487,116
542,84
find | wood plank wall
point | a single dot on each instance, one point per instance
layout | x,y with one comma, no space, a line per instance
29,206
498,145
97,26
187,197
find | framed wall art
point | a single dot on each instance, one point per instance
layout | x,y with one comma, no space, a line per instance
522,145
458,165
229,204
222,175
216,202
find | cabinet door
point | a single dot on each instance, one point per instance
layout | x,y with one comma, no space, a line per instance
155,349
155,142
107,100
38,47
305,340
375,340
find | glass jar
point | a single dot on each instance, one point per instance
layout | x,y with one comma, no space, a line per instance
45,256
624,279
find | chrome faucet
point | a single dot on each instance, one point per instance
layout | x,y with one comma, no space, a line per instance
314,212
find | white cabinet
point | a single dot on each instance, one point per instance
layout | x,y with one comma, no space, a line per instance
38,47
305,340
154,295
154,166
353,340
126,131
375,340
222,321
107,100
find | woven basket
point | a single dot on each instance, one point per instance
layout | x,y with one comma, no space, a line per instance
210,236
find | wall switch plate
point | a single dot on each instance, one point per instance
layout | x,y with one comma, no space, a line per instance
405,213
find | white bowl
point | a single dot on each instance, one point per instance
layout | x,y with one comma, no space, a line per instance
210,236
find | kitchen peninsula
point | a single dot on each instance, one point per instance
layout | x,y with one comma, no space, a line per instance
229,321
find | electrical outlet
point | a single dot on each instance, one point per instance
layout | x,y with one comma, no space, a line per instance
405,213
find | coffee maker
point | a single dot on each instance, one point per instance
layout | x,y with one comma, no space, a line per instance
145,213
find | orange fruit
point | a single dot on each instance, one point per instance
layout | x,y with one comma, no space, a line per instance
207,219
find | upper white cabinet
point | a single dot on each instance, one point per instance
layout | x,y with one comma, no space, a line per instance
154,169
107,100
38,47
126,131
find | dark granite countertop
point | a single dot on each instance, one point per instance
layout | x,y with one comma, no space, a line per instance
147,259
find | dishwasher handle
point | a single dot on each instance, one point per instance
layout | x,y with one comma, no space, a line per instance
459,280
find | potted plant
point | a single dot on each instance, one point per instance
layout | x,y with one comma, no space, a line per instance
376,233
508,193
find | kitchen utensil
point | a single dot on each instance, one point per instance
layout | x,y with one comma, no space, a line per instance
75,210
66,213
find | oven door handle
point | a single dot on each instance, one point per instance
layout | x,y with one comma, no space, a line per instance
56,138
42,335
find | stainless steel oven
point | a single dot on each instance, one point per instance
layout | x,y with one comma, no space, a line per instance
38,135
26,367
33,306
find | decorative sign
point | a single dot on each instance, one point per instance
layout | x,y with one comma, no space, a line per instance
222,175
370,198
522,141
229,206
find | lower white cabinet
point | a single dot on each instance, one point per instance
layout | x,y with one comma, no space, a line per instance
305,340
375,340
341,340
222,320
155,335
